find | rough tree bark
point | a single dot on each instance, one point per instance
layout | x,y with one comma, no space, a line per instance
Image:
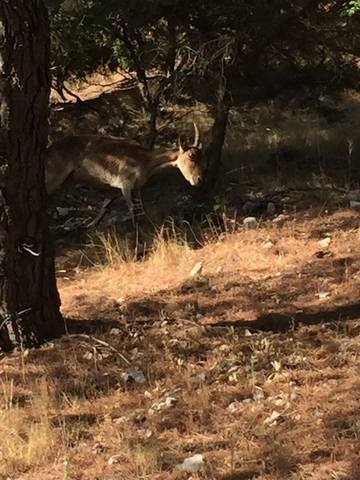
218,131
29,301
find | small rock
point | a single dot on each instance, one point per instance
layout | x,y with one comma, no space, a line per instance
170,401
198,379
192,464
219,269
280,219
134,352
115,331
197,269
62,212
272,419
224,348
354,204
233,406
325,242
119,420
323,294
281,402
268,245
271,208
114,459
161,404
276,365
250,222
148,433
258,396
354,195
88,356
133,373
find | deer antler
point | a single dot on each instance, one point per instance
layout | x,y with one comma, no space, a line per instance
197,135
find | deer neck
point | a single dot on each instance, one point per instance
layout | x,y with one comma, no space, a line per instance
162,158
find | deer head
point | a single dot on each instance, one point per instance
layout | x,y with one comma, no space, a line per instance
190,160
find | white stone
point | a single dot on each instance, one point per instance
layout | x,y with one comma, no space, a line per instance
192,464
197,269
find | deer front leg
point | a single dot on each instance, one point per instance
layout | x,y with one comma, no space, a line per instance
127,192
140,208
138,204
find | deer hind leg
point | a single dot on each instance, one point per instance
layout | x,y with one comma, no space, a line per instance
57,172
132,206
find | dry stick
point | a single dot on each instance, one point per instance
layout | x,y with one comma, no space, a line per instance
105,344
118,82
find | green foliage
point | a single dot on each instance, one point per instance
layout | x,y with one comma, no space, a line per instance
267,45
83,39
352,8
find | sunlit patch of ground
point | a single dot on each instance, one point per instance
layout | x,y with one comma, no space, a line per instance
254,364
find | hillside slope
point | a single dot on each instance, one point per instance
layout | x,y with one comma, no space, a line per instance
252,363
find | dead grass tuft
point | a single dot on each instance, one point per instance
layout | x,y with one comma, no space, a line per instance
145,458
169,247
110,248
29,439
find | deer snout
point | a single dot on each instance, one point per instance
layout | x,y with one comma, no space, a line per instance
195,181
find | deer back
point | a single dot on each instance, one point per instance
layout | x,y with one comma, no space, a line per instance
97,160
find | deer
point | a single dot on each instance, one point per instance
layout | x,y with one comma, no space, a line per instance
119,163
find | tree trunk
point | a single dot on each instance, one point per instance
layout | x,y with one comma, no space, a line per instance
218,132
153,108
29,300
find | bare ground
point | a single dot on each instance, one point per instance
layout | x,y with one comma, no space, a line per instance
254,363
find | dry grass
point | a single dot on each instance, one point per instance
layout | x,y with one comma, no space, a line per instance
277,145
275,249
29,439
254,363
109,248
168,247
257,404
95,85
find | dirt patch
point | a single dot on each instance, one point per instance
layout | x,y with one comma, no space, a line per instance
253,364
